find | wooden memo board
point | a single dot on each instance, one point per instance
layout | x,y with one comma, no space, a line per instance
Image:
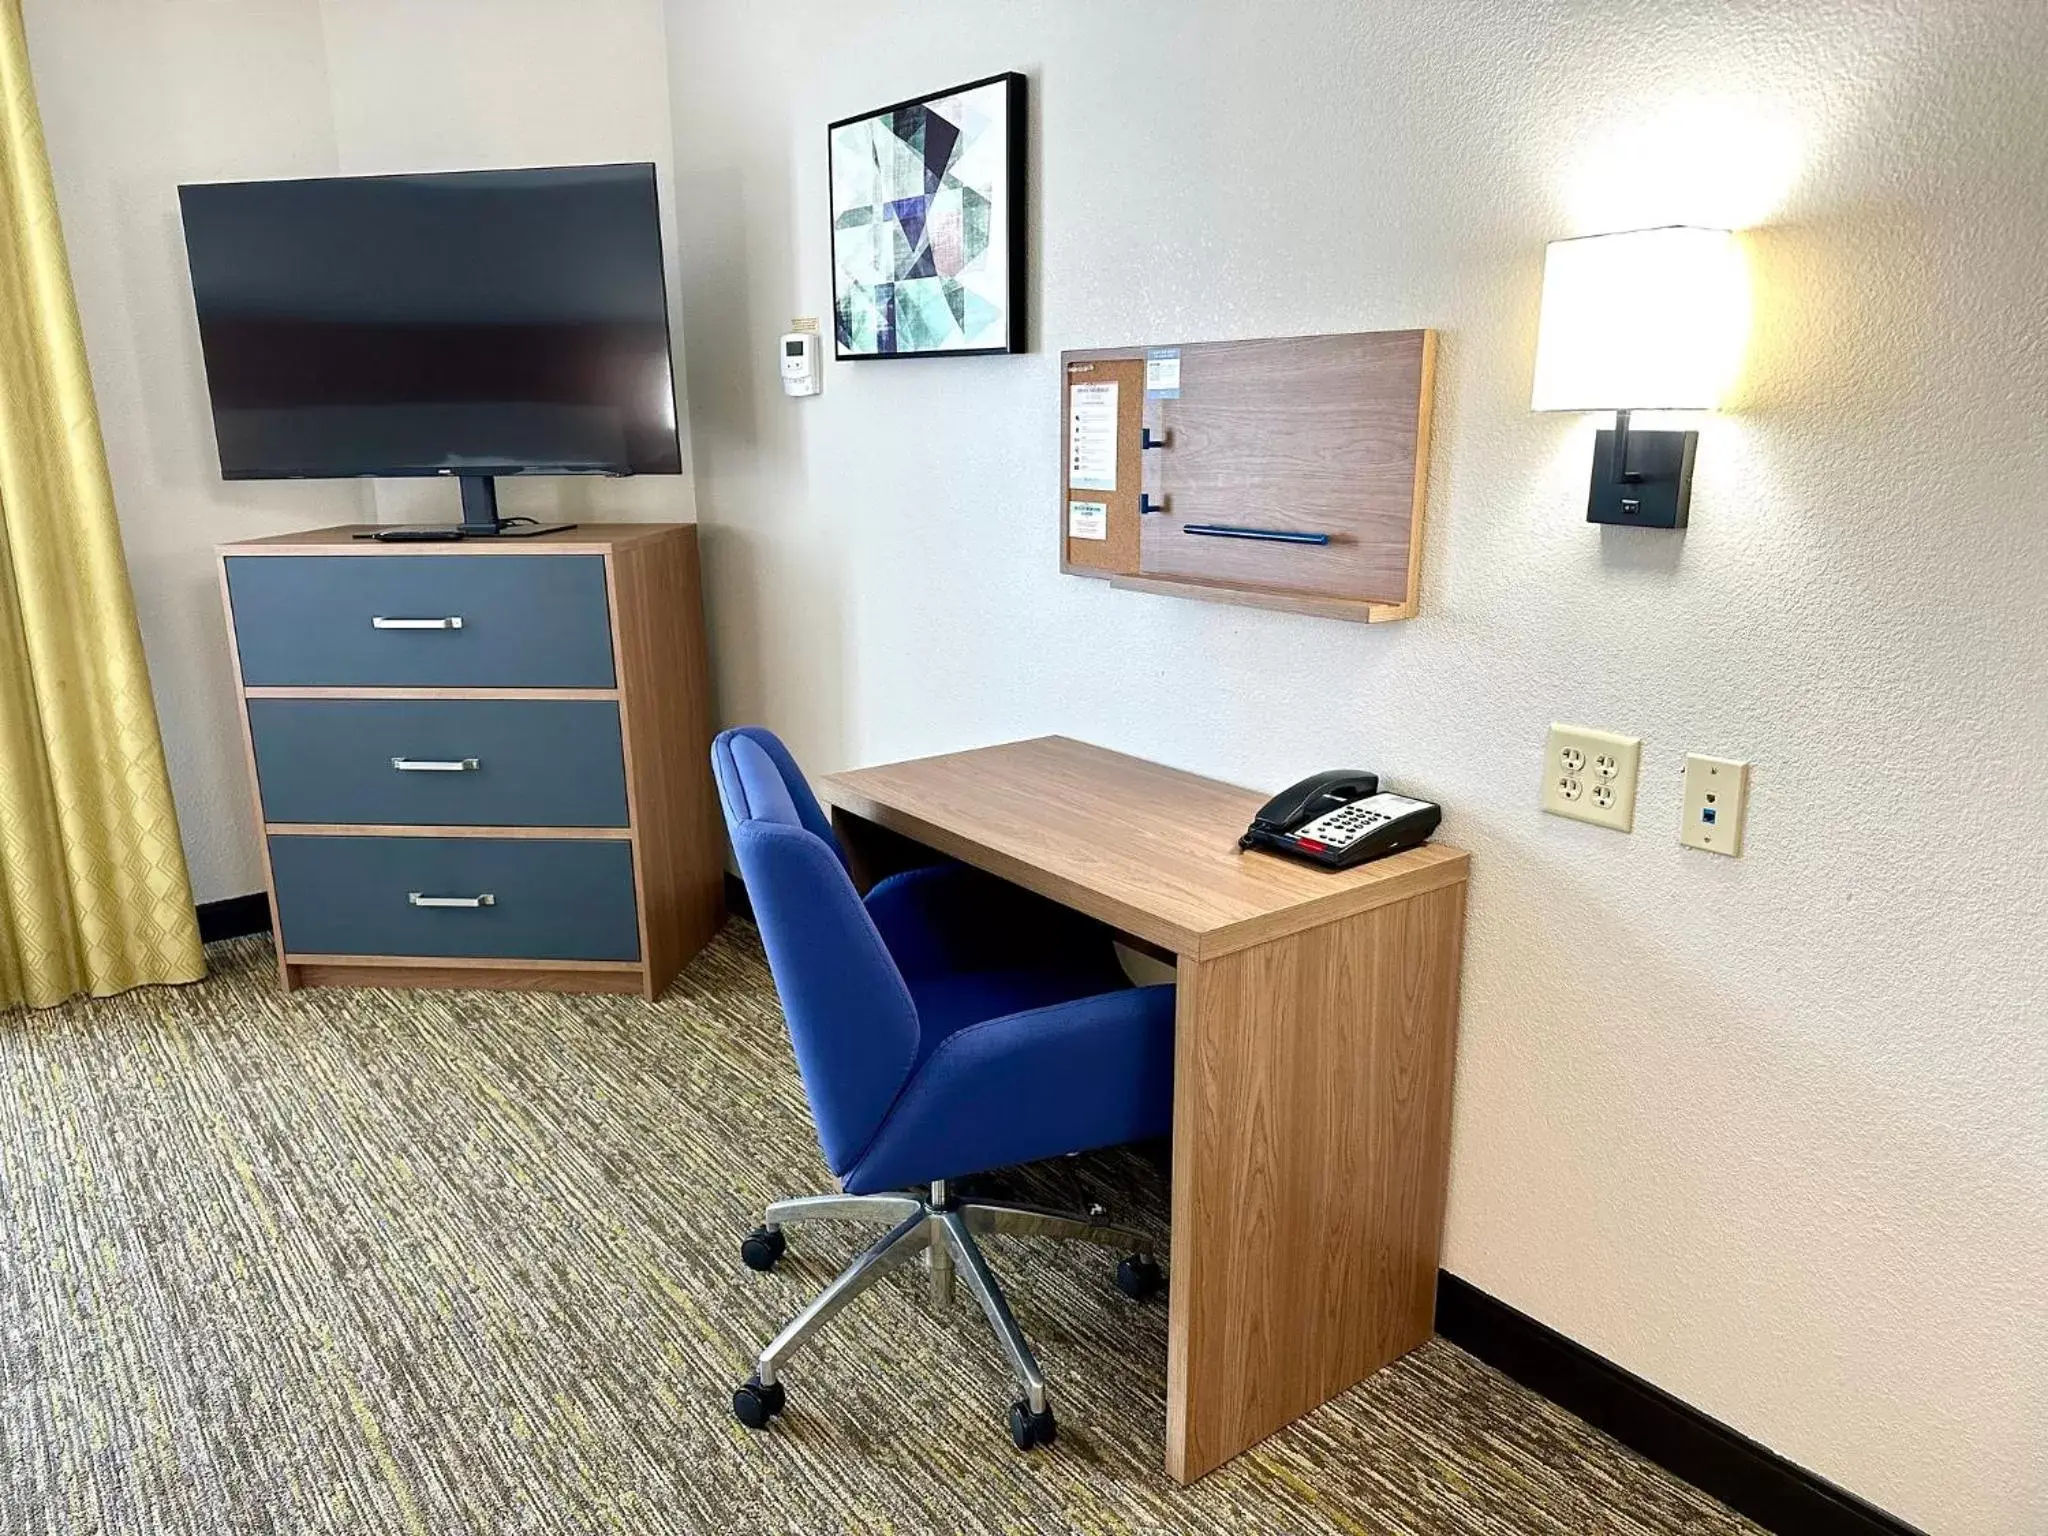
1284,472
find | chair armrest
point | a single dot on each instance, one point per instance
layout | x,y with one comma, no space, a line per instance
951,917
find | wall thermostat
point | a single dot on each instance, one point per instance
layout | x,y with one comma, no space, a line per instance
800,363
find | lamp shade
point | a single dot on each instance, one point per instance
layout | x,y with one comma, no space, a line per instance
1649,319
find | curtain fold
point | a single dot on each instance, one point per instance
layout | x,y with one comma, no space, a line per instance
94,895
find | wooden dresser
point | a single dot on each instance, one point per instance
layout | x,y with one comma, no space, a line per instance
480,764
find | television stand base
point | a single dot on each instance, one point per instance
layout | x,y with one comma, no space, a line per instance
453,533
510,530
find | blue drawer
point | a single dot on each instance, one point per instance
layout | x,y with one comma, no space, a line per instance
549,898
498,621
522,762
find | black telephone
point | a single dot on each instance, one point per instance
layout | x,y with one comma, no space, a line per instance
1339,819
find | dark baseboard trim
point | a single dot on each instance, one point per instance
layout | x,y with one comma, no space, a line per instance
1749,1478
234,917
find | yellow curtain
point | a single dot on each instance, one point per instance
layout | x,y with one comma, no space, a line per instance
94,896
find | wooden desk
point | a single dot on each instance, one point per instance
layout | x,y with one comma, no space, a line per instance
1315,1031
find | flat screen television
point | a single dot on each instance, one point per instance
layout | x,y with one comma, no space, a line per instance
472,324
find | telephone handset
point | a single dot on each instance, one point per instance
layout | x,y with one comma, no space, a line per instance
1310,798
1339,819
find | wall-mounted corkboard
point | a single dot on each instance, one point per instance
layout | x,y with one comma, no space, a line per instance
1102,411
1287,472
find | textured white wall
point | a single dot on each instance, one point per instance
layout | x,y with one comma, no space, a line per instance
1773,1133
140,95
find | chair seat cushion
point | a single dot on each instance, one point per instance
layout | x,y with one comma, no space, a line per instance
948,1003
1091,1072
971,947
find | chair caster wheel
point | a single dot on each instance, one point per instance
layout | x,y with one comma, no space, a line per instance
760,1248
754,1405
1028,1429
1137,1276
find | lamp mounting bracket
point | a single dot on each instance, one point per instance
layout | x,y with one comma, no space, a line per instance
1641,479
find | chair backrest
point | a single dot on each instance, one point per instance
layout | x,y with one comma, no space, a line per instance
851,1019
809,814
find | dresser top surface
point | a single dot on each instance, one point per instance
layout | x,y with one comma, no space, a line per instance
583,539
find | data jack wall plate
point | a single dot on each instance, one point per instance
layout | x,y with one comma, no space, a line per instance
1716,804
1590,775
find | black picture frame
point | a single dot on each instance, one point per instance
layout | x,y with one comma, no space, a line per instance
1016,163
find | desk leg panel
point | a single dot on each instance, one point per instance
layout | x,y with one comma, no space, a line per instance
1311,1136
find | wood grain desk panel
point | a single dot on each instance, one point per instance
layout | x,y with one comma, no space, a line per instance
1315,1034
1147,848
1311,1148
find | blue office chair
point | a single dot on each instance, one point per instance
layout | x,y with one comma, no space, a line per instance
947,1025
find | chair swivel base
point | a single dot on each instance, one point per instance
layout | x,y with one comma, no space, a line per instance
942,1230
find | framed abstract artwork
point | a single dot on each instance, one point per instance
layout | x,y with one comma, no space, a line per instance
928,224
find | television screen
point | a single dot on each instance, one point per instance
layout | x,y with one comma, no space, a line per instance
480,323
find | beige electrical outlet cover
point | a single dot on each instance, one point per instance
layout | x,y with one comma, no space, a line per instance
1720,786
1590,775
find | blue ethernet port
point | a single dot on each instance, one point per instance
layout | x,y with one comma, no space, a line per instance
1707,815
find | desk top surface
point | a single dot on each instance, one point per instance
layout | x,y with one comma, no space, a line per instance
1145,847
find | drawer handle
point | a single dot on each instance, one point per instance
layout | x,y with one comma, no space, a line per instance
453,621
1269,535
485,900
435,765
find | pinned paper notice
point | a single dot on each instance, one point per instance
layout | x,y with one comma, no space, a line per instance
1091,437
1162,373
1088,519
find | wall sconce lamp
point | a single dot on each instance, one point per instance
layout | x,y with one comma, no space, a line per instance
1648,319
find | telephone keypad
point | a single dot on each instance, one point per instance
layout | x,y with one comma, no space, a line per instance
1347,824
1353,831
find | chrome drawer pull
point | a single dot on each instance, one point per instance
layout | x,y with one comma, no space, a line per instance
451,622
1270,535
434,765
485,900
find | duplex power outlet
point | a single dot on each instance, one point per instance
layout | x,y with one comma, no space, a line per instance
1590,775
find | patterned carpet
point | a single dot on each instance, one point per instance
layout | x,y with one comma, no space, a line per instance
367,1262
